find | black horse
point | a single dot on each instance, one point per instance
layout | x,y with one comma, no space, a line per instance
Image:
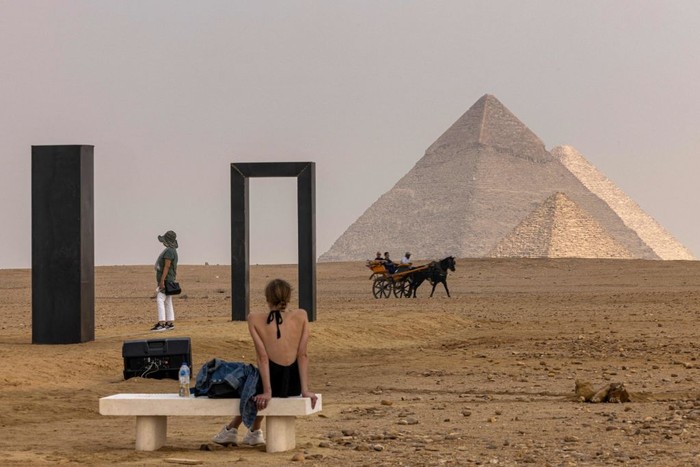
436,273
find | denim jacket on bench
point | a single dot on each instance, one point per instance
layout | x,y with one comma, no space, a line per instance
242,377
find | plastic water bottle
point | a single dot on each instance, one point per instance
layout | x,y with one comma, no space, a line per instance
184,380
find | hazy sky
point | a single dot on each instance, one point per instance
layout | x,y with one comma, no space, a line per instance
171,92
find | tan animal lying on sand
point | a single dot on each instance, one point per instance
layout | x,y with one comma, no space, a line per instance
613,392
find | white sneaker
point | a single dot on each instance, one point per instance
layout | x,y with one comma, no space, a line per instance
226,437
253,438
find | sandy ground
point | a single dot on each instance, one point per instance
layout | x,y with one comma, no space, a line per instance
484,377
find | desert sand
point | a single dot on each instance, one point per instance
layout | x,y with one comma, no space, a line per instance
484,377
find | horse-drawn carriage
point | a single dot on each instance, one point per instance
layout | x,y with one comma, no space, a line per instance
404,281
384,283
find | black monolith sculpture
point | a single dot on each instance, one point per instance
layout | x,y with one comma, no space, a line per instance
63,270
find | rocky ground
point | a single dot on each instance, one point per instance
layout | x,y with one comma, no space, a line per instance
484,377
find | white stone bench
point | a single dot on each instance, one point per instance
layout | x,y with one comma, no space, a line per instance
152,412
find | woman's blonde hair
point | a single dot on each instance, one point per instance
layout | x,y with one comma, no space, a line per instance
278,293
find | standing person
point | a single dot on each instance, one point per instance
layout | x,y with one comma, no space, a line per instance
281,337
166,270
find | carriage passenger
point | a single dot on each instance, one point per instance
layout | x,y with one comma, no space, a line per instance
406,259
389,264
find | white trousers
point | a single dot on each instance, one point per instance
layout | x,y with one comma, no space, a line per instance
165,307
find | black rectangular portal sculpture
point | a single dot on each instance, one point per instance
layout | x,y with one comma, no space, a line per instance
63,269
305,172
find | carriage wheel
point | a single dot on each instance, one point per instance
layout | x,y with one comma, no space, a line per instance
407,288
398,289
386,288
378,287
402,288
381,288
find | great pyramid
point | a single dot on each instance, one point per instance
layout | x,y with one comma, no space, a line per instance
470,190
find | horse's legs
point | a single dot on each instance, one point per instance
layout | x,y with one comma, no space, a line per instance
415,284
444,284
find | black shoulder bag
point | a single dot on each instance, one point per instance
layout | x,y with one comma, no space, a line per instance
172,288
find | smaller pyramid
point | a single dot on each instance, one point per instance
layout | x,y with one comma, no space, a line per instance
559,228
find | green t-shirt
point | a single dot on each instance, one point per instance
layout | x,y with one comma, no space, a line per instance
171,254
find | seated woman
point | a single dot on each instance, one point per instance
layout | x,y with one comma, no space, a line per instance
281,337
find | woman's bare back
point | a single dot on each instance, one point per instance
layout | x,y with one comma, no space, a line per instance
284,350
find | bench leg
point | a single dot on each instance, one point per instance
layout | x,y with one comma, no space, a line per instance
280,434
150,432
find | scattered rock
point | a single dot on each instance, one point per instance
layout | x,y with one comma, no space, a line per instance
408,421
298,457
174,460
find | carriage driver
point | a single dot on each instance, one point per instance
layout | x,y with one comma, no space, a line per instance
406,258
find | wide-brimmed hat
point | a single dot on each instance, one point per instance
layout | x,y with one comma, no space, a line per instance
168,239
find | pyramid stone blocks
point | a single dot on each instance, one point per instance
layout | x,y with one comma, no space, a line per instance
559,228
